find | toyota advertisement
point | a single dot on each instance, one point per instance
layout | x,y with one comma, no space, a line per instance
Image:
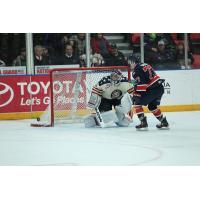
31,93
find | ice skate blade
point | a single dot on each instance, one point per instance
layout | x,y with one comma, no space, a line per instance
163,128
142,129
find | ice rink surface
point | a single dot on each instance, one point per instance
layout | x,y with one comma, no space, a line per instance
75,145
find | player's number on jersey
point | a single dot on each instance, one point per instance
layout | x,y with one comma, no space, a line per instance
149,69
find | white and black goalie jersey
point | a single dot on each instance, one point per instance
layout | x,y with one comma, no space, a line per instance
108,89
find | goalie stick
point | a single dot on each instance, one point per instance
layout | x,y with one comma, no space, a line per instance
99,117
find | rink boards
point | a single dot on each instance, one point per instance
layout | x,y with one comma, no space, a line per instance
21,99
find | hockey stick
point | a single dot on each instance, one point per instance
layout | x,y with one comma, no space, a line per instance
40,125
99,117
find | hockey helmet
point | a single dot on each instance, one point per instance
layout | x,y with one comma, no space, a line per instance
116,76
135,58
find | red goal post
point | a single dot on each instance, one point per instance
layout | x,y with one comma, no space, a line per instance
69,91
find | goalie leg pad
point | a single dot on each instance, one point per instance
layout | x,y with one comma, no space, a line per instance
109,116
90,121
123,119
126,104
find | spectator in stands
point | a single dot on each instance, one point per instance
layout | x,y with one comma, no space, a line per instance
100,44
164,58
47,56
64,41
21,59
39,59
72,42
180,56
96,60
69,39
115,57
168,40
150,44
150,41
80,43
69,57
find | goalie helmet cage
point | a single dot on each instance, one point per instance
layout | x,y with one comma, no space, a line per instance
69,93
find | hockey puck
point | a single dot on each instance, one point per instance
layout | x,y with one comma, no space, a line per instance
38,119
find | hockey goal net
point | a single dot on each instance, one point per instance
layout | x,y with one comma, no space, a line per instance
69,92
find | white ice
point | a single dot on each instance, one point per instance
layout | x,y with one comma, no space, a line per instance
73,144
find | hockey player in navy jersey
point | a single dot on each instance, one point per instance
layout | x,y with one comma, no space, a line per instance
148,91
110,92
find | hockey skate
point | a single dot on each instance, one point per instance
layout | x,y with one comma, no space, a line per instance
143,125
163,125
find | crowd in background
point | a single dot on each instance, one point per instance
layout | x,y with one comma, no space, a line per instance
160,50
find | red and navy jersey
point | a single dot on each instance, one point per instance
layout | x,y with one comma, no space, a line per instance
145,77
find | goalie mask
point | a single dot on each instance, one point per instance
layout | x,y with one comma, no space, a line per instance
116,76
